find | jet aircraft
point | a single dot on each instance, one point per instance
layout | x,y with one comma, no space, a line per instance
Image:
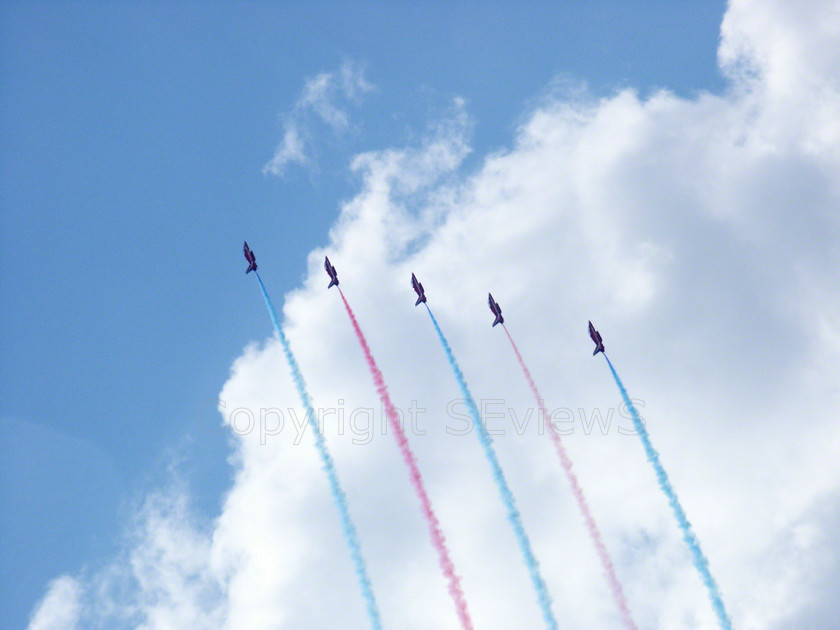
596,337
421,294
331,271
252,260
497,310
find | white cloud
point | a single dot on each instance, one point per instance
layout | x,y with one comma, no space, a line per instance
290,151
700,235
59,610
163,578
323,99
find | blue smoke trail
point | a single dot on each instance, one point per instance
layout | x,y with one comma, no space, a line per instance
504,490
326,461
700,560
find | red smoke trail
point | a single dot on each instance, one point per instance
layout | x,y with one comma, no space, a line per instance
438,539
594,533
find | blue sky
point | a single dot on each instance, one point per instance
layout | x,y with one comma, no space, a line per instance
134,140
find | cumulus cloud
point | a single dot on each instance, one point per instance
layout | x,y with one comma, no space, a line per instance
323,99
700,235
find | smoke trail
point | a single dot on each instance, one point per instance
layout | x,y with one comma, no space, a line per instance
700,560
438,539
504,489
339,498
594,533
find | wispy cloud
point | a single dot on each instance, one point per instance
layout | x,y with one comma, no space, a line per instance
324,99
60,608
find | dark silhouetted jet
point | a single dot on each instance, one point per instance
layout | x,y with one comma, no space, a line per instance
249,256
421,294
331,270
596,337
497,310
